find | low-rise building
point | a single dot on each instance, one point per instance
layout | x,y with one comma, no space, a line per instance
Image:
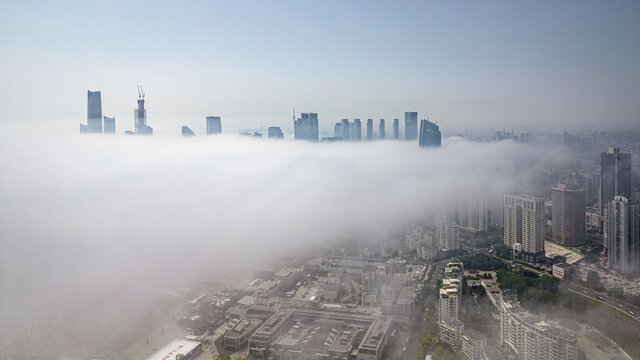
562,270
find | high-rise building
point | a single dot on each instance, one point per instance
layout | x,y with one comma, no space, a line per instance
410,125
109,125
94,112
615,176
622,235
187,132
533,338
214,125
140,116
524,224
346,129
473,344
396,129
451,331
275,132
430,135
357,130
568,214
448,237
369,129
381,130
306,127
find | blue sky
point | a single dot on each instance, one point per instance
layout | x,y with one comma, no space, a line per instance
464,64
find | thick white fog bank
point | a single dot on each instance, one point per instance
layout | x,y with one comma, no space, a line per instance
108,221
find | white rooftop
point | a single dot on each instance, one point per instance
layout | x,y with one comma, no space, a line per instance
172,349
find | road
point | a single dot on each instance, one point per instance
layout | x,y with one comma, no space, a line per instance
624,307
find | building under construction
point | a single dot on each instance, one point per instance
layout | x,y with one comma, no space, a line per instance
140,116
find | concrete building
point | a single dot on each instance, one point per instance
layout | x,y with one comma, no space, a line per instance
187,132
448,236
94,112
449,299
369,129
214,125
524,225
396,129
109,125
306,127
562,270
410,125
236,338
178,350
451,331
568,215
473,344
274,132
615,177
430,135
622,235
531,338
375,339
381,130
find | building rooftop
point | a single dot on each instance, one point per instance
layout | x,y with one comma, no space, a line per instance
173,349
375,334
242,328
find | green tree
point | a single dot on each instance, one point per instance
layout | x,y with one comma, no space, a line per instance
593,279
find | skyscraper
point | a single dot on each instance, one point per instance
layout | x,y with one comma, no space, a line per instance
214,125
306,127
275,132
346,129
568,214
622,235
357,130
410,125
396,129
615,176
381,130
187,132
524,224
94,112
430,135
369,129
109,125
140,116
448,237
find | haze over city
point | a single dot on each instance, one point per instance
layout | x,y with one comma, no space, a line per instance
335,180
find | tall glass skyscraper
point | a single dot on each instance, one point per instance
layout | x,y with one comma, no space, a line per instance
410,125
94,112
430,135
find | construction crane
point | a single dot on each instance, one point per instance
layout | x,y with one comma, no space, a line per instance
140,92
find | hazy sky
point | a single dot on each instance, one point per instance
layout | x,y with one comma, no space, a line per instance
464,64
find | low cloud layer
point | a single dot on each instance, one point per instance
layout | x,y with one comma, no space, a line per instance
92,226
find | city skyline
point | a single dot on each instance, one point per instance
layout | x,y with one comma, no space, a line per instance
559,66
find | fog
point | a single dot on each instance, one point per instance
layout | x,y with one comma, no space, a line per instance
92,228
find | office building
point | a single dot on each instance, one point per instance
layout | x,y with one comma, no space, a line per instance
396,129
356,134
140,116
568,215
430,135
94,112
622,235
109,125
274,132
369,129
524,226
306,127
410,125
615,176
186,131
381,130
337,131
214,125
346,129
